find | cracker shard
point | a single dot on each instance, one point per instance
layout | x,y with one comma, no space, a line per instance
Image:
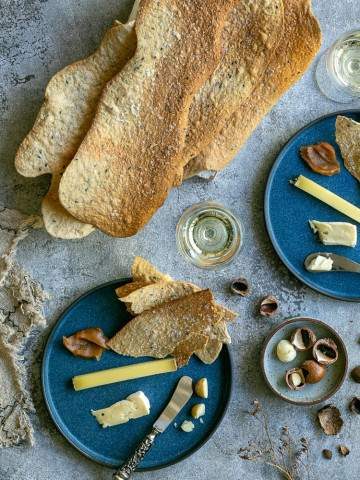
155,294
144,271
139,127
348,139
165,330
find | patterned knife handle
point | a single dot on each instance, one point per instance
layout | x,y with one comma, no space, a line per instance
125,472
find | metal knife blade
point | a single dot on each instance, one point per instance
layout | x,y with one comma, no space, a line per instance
341,263
181,396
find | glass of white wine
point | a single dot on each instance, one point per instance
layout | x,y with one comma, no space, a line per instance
338,70
209,235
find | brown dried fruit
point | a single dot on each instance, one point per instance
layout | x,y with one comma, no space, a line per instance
240,287
88,343
330,420
303,339
269,306
343,450
325,351
321,158
355,374
295,379
327,454
313,372
354,405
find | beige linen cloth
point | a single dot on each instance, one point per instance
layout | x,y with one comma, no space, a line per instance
21,301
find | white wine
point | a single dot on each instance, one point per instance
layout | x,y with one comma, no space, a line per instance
209,235
345,62
338,70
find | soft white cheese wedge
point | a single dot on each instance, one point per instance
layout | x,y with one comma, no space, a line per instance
321,264
335,233
134,406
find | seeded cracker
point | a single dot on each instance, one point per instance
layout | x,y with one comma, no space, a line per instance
348,139
159,332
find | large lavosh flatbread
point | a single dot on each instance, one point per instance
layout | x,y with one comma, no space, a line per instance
253,30
131,156
71,98
348,139
298,46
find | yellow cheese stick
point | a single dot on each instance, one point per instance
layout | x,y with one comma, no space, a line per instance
330,198
120,374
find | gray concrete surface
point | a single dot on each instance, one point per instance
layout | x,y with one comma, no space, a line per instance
37,37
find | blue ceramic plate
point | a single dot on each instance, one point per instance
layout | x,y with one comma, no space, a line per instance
70,410
274,370
288,210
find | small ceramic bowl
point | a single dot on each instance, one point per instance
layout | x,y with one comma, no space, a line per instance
274,370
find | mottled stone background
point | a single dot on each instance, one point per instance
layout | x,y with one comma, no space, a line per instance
37,38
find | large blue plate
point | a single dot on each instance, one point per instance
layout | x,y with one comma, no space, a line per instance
70,410
288,210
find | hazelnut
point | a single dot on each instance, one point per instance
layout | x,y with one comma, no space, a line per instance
325,351
313,371
355,374
303,339
269,306
295,379
285,351
240,287
327,454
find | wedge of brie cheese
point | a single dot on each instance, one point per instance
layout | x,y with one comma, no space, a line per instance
134,406
321,264
335,233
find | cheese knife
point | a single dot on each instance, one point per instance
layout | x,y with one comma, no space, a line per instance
181,396
340,263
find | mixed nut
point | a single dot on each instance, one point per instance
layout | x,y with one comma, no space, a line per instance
324,352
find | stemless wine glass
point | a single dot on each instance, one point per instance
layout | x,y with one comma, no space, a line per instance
209,235
338,70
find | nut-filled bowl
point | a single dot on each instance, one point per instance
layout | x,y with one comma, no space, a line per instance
323,350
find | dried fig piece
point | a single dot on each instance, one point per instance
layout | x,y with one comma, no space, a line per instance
354,405
330,420
295,379
269,306
303,339
343,450
313,372
88,343
240,287
321,158
325,351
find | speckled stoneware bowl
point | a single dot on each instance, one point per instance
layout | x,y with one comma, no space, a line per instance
274,370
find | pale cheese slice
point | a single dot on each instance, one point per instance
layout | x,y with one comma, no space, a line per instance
134,406
321,264
335,233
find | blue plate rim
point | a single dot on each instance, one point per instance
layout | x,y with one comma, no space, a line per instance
268,225
316,321
47,401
